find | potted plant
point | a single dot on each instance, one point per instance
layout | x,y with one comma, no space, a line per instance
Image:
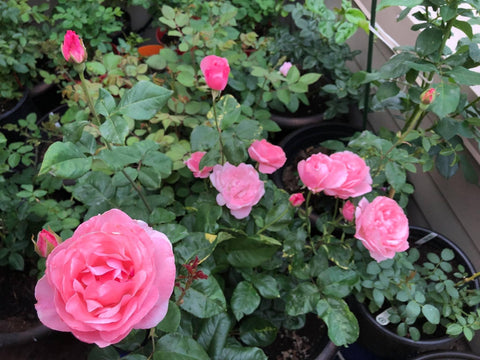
419,301
440,70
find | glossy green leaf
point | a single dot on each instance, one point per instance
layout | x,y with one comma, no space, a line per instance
115,129
204,298
257,331
65,160
119,157
266,285
203,138
245,299
431,313
105,104
171,321
302,299
342,324
447,98
143,100
237,352
214,333
464,76
428,41
179,347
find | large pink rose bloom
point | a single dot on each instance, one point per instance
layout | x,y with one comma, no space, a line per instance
269,157
358,181
193,164
319,172
239,187
73,48
216,70
113,275
382,227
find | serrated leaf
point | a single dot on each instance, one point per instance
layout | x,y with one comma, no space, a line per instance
115,129
204,298
245,299
179,347
65,160
143,100
171,321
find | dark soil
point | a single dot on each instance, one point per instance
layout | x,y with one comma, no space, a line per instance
302,344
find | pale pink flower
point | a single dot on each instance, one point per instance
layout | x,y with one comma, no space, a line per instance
319,172
193,164
216,71
382,227
239,187
358,181
270,157
113,275
285,68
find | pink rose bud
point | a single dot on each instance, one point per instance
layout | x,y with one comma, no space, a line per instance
427,97
348,210
193,164
296,199
358,181
47,240
113,275
382,227
285,67
319,172
216,70
270,157
73,48
239,187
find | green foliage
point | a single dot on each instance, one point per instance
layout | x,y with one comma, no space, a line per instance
431,63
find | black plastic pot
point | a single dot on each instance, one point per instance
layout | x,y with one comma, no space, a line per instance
447,355
387,344
295,122
23,107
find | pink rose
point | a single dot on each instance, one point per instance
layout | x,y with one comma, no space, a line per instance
320,172
216,70
113,275
427,97
46,242
239,187
193,165
348,210
296,199
285,67
270,157
358,181
382,227
73,48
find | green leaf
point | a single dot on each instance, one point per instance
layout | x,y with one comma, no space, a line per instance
15,260
108,353
204,298
213,334
256,331
179,347
105,104
309,78
237,352
302,299
266,285
115,129
65,160
171,321
464,76
248,253
245,299
454,329
119,157
396,176
413,309
407,3
428,41
228,111
143,100
431,313
203,138
342,324
446,101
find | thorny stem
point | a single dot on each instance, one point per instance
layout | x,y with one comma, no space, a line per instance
97,122
468,279
307,219
217,124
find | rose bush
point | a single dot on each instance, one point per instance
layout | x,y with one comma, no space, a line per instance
113,275
269,157
382,226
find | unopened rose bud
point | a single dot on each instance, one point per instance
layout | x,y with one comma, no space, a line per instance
46,242
73,48
348,211
427,97
285,67
296,199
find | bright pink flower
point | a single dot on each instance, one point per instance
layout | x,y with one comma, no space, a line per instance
382,227
216,70
113,275
348,210
358,181
46,242
239,187
296,199
285,67
193,165
73,48
270,157
319,172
